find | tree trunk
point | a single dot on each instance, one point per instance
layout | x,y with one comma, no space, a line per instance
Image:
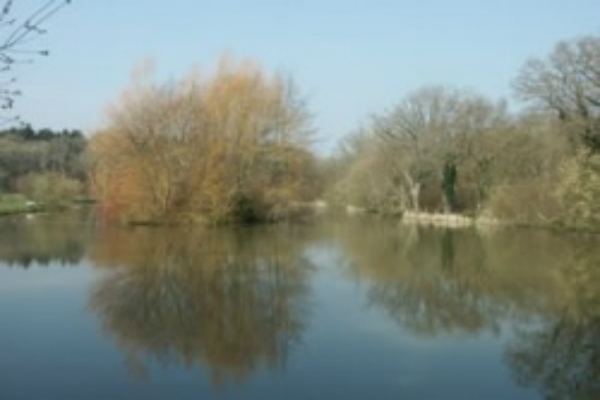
449,179
414,190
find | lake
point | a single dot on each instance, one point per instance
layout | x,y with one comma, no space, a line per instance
350,309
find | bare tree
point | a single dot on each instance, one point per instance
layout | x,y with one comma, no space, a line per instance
16,36
568,83
432,132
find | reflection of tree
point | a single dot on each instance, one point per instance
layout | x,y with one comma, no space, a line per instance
234,302
43,240
437,281
433,281
562,357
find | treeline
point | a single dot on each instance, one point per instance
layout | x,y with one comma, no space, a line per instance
234,145
229,146
45,165
446,149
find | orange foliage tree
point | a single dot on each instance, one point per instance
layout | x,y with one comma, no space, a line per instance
229,146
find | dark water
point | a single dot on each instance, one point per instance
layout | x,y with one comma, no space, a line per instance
354,309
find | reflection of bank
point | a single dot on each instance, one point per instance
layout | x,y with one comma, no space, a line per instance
45,239
436,281
232,302
562,356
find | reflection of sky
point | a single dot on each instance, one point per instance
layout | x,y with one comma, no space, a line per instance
364,345
41,278
52,348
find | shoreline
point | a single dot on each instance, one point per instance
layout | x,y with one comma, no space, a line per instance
452,220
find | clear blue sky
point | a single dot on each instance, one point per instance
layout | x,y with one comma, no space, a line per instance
350,58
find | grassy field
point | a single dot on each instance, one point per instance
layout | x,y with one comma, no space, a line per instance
14,204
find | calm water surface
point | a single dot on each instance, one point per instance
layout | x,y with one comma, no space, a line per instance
354,309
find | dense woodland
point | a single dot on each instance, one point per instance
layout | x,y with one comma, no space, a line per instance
47,166
235,145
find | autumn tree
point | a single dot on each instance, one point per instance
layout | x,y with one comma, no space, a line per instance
228,146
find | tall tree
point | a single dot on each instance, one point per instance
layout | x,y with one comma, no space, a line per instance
432,132
568,83
230,146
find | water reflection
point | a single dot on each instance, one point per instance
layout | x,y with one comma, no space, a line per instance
562,358
44,239
443,281
543,287
233,302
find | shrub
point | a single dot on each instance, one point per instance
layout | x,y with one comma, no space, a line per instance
51,190
531,201
13,203
579,191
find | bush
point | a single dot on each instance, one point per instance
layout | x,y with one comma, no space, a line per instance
51,190
571,199
13,203
531,201
579,191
